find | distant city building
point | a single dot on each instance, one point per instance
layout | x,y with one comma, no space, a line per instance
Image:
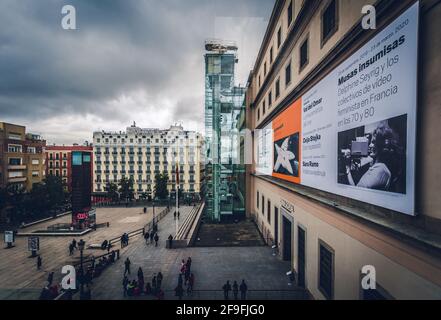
224,103
58,162
22,158
141,154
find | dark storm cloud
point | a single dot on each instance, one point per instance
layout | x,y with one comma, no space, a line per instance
120,47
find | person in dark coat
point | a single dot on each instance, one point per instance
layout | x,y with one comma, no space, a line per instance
226,288
147,237
127,266
159,280
235,290
39,262
243,290
170,241
156,240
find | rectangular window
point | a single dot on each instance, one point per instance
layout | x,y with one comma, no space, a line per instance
290,13
277,88
259,82
329,21
279,37
15,174
263,205
16,148
304,54
76,159
258,114
326,271
257,200
35,173
288,74
269,212
270,99
32,150
271,55
264,69
264,106
14,161
35,162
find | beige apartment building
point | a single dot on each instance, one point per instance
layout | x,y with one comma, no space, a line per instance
140,154
22,158
306,189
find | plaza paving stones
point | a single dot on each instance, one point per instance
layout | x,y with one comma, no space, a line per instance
19,277
212,267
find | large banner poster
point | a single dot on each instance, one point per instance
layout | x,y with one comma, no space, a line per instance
354,133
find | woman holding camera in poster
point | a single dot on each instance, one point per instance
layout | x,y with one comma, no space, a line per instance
383,159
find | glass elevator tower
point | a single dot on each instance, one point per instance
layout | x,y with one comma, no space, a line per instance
223,105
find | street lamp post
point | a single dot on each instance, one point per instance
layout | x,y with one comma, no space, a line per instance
81,245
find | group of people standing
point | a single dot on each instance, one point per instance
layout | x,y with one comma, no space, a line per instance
137,287
150,237
186,278
243,288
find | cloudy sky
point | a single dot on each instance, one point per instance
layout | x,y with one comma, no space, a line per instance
128,60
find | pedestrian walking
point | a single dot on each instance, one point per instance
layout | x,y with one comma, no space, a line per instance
109,246
140,273
71,249
39,262
156,240
179,214
127,266
174,214
125,283
226,288
170,241
145,210
188,264
146,237
235,290
243,290
159,280
74,243
140,280
122,241
152,235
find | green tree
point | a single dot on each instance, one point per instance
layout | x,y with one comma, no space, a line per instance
4,198
112,191
161,181
37,201
55,191
16,200
126,189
